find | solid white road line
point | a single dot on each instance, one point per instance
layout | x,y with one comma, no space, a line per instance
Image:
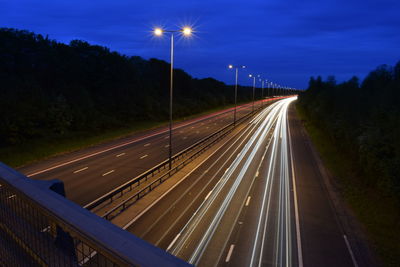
142,157
248,201
228,257
107,173
296,206
350,251
119,155
81,170
257,173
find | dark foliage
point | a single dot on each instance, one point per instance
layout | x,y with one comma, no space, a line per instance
364,121
50,89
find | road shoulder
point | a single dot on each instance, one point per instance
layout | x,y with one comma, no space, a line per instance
322,207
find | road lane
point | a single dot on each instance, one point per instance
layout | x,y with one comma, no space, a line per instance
127,158
261,204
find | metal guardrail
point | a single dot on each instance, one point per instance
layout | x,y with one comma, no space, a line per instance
135,182
39,227
132,199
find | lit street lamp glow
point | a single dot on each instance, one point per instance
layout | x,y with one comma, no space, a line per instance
187,31
158,31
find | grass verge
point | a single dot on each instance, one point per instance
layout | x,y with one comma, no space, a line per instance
378,212
40,149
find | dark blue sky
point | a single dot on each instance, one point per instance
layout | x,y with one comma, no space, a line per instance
285,41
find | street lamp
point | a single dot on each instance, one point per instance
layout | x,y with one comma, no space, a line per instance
185,31
236,85
254,87
262,92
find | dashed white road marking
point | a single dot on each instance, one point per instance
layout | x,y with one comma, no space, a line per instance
184,137
248,201
142,157
107,173
147,144
119,155
81,170
167,146
228,257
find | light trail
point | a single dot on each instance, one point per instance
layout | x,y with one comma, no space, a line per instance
277,175
273,118
276,198
204,207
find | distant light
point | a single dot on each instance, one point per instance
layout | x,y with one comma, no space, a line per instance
243,67
250,75
158,31
230,66
187,31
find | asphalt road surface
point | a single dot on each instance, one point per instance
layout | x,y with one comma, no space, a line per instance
90,173
257,201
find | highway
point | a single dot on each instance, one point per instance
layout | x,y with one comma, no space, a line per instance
90,173
257,199
243,206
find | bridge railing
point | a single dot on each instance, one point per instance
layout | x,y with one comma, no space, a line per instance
39,227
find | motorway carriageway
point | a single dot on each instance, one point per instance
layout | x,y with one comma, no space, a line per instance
90,173
245,202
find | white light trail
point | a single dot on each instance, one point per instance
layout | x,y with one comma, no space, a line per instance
271,120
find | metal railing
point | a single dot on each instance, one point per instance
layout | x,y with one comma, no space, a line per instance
39,227
195,149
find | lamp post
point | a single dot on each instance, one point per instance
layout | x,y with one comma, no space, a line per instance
236,85
254,87
186,31
262,93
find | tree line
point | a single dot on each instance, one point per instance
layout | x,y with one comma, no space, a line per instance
363,120
50,89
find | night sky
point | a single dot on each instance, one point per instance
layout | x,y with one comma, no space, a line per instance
285,41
